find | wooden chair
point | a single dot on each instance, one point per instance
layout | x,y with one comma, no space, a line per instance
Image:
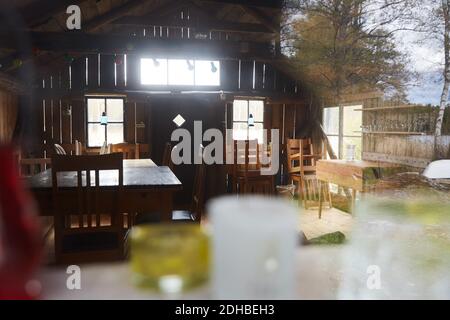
144,150
167,156
312,190
30,166
80,232
195,211
130,151
246,169
301,161
74,149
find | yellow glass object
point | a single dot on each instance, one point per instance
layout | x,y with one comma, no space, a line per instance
169,257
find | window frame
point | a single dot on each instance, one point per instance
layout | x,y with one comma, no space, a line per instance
104,98
341,136
248,114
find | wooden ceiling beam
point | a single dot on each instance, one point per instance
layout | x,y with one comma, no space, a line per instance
40,11
112,15
272,4
213,25
262,18
82,43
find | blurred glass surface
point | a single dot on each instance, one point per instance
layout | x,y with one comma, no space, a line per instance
169,258
254,245
400,249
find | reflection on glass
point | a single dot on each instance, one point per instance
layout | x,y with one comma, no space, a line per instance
334,142
96,133
169,257
256,132
115,110
256,108
240,131
331,120
356,141
205,74
115,133
399,250
240,110
181,72
352,121
154,71
95,109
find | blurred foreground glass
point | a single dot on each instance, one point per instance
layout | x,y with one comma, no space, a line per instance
169,257
400,249
254,242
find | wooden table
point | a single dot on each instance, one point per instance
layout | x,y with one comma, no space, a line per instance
358,175
147,188
318,273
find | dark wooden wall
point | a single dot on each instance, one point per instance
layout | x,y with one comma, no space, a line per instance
8,115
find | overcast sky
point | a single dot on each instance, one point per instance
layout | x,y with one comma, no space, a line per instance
427,60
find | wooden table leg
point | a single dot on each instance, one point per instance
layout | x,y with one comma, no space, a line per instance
320,198
166,206
353,201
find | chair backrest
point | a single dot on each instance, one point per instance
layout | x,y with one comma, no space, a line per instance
300,155
167,156
246,156
59,150
30,166
130,151
144,150
198,192
83,166
86,216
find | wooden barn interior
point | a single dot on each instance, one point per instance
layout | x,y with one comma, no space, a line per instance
138,70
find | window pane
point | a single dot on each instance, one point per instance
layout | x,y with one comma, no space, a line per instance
115,133
352,121
181,72
115,110
96,134
256,132
355,141
240,112
95,109
256,108
240,131
331,120
334,142
154,71
207,73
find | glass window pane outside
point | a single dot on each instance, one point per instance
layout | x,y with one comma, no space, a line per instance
256,108
204,75
179,73
240,111
256,132
115,110
352,121
154,71
115,133
331,120
96,134
95,109
357,141
334,142
240,131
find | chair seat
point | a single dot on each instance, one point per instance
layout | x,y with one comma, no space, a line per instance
182,215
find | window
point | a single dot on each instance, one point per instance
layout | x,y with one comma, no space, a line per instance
180,72
154,71
112,130
242,111
343,127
